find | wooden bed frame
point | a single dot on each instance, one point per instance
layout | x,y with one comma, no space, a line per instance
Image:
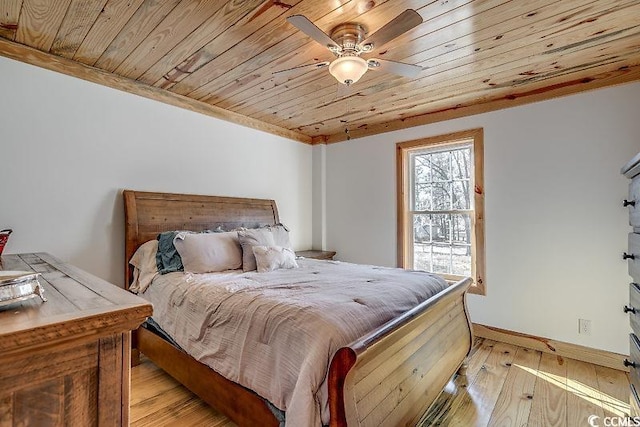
387,378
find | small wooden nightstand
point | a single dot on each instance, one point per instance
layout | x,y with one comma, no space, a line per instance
316,254
66,361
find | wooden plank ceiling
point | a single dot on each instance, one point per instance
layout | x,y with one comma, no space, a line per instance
218,56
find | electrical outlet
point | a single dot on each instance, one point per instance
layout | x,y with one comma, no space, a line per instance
584,326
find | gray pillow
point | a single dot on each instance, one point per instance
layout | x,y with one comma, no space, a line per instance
250,238
280,235
209,252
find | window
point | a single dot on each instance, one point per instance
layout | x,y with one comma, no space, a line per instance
441,206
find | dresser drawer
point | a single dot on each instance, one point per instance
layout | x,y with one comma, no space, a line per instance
634,372
633,256
634,305
634,197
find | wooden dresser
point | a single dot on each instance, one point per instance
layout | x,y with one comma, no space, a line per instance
66,361
632,171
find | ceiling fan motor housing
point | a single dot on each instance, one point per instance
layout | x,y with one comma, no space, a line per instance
348,36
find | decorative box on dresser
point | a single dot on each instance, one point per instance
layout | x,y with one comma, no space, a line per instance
66,361
632,171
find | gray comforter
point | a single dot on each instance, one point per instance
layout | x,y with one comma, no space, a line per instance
276,332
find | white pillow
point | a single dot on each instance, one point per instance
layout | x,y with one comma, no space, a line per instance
250,238
269,258
209,252
145,267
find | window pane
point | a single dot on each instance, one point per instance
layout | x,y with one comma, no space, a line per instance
422,169
441,259
461,195
441,196
421,256
421,228
461,228
422,197
441,228
440,164
461,260
461,163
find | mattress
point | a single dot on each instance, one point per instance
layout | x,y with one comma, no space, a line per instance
276,332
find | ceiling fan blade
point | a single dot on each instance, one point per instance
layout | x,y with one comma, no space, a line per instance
392,29
309,28
300,67
393,67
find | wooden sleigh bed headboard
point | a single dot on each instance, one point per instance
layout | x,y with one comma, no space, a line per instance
394,372
147,214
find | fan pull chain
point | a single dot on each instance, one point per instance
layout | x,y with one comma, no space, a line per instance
346,121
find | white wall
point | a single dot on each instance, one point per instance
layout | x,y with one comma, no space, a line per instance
555,228
68,148
319,204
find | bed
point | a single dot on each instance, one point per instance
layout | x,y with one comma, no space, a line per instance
388,377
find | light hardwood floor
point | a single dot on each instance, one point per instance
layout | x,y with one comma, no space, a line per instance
506,385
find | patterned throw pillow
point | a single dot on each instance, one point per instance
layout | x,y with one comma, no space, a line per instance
269,258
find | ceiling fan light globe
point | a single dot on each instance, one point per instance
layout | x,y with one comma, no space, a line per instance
348,69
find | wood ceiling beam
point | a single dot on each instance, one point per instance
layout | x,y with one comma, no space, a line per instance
513,99
51,62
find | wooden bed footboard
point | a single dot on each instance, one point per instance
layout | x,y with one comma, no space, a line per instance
391,376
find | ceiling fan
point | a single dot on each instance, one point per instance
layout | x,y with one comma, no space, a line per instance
347,42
